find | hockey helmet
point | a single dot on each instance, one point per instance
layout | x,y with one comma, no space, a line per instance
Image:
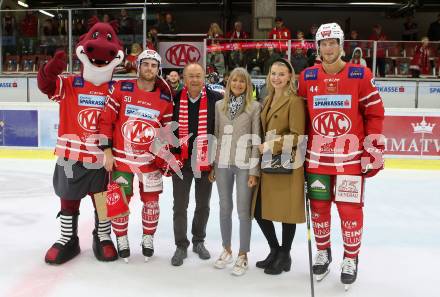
329,31
148,54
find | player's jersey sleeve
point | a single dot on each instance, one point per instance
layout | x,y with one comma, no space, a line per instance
371,104
60,89
111,111
302,88
166,120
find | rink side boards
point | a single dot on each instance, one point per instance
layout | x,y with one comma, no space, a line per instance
390,163
415,126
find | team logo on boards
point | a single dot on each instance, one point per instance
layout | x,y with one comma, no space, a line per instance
181,54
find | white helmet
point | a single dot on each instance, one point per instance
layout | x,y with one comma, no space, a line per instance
147,54
329,31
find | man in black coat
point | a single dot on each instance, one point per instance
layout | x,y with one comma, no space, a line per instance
194,110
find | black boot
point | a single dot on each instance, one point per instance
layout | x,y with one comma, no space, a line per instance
269,259
281,263
103,247
67,247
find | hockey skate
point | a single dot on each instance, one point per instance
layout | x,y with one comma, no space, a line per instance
322,263
67,247
147,246
349,272
103,247
123,247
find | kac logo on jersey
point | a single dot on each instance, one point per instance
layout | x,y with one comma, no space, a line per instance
88,119
138,132
356,72
141,112
331,101
91,100
127,86
311,74
78,82
331,124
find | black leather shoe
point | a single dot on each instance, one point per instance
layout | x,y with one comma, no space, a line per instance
269,259
281,263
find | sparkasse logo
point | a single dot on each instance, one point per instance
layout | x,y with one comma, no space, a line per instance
391,89
8,84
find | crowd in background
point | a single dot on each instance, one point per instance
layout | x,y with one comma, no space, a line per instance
29,40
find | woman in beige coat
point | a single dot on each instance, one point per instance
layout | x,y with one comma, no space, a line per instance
280,197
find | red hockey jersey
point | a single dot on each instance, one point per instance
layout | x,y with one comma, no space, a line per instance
343,109
131,120
81,104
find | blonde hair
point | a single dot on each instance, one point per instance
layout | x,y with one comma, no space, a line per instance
214,29
241,73
290,88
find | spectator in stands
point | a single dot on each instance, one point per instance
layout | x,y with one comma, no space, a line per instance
126,23
274,55
217,59
106,18
236,59
225,79
256,58
298,60
29,30
168,26
158,19
434,30
9,27
357,58
280,32
410,30
379,36
79,28
352,43
174,81
48,42
237,32
311,56
130,60
214,31
420,61
312,32
152,38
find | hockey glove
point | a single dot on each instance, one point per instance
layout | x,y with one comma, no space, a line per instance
372,160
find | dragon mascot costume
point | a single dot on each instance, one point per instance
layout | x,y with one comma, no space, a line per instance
79,171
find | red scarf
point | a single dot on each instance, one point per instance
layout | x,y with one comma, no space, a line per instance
202,162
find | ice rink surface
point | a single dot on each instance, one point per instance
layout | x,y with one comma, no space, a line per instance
400,252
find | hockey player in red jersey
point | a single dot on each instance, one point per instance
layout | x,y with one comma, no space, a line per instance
135,111
344,147
79,170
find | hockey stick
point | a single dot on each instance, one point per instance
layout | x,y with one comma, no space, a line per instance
309,243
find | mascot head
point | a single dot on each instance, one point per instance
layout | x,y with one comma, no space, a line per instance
99,51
